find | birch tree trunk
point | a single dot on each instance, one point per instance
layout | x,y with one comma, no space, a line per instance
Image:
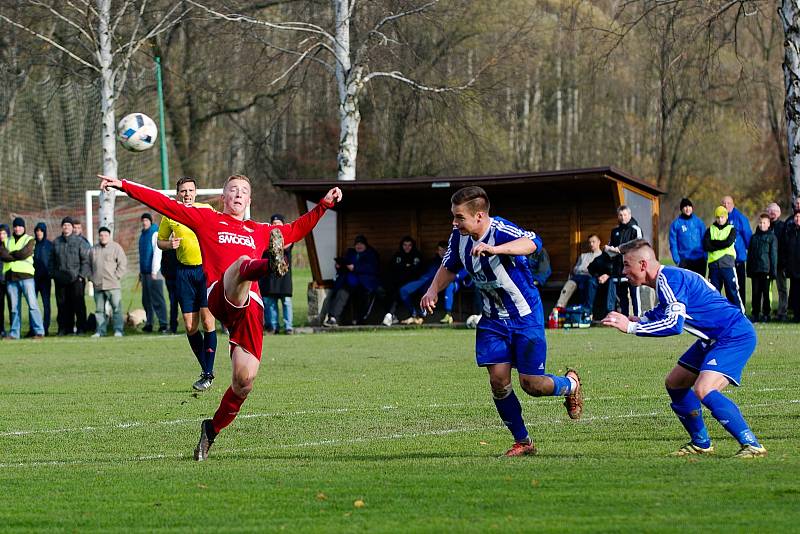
349,83
107,79
790,15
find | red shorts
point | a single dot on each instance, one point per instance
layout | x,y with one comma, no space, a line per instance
245,324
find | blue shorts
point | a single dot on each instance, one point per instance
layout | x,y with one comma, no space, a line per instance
727,355
190,281
519,342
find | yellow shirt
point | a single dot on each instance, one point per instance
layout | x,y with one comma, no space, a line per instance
189,250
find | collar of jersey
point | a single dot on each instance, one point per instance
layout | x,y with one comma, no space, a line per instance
489,229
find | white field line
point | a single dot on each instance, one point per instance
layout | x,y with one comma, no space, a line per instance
139,424
368,439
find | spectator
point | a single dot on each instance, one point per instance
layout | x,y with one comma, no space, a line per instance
719,241
276,289
5,301
762,267
423,283
169,270
17,255
406,266
152,283
581,279
77,228
795,207
70,267
790,263
539,264
778,226
743,235
357,276
686,240
42,278
108,265
618,286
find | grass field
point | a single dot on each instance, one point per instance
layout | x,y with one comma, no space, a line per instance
98,434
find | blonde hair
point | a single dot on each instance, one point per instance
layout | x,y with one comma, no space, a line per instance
241,177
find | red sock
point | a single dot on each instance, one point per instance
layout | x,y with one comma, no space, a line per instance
253,269
227,411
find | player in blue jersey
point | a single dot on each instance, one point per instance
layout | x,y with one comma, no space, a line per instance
510,332
726,341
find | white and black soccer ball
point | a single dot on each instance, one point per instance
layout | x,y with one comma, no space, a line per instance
137,132
472,321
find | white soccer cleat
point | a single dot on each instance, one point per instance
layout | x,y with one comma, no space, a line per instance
388,319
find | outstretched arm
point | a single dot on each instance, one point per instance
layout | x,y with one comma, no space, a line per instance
519,247
297,230
188,215
441,280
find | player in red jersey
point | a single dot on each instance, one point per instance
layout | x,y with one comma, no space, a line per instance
232,248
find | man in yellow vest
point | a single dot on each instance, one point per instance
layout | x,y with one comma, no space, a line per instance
190,284
719,241
17,254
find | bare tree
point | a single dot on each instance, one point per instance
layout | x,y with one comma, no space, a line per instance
103,39
346,54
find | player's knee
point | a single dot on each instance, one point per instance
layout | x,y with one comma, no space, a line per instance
501,389
701,390
536,386
242,384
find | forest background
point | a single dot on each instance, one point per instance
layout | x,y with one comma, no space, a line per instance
683,94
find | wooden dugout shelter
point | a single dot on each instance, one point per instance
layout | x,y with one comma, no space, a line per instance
564,207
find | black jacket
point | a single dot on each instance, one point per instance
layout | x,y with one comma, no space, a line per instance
762,254
622,234
70,259
278,286
405,267
602,264
790,251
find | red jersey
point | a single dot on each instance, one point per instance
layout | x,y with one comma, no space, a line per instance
223,238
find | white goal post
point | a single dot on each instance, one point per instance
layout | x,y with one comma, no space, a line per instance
91,194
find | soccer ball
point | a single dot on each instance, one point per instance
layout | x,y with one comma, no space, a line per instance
137,132
472,321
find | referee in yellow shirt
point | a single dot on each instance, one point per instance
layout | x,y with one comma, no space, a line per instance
190,283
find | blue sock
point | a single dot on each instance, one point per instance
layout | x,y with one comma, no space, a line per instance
561,385
209,351
687,407
510,411
727,413
196,342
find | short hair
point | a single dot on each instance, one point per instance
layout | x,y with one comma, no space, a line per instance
473,196
594,235
634,245
103,229
442,244
623,207
236,177
183,180
763,216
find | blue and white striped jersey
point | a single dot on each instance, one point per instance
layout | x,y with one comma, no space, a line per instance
687,301
505,282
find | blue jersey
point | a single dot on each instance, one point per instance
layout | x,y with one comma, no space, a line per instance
687,301
505,282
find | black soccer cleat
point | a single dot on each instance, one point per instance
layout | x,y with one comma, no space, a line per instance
207,436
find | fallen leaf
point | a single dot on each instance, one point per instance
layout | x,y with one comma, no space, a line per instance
359,503
321,496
